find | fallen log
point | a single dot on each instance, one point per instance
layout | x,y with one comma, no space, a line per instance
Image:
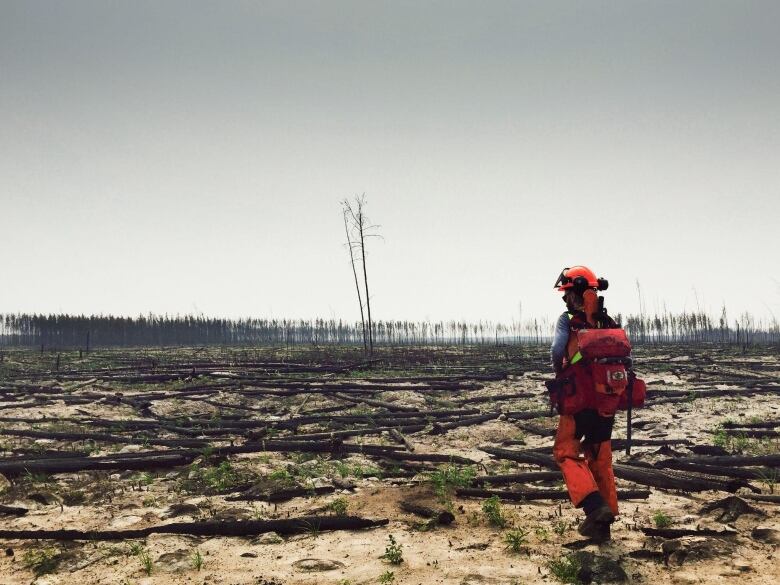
518,477
731,508
679,532
736,460
536,429
491,377
441,516
12,510
288,526
767,424
280,495
707,450
103,437
521,495
356,432
401,438
667,479
753,433
494,398
174,457
526,456
377,451
769,498
73,464
20,405
720,470
27,454
662,397
529,414
275,388
618,444
375,402
664,479
441,428
355,418
410,468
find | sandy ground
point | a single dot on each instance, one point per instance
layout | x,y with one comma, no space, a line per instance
469,551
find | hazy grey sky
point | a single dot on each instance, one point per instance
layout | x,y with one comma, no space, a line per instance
190,156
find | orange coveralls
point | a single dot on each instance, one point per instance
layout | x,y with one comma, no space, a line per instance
585,433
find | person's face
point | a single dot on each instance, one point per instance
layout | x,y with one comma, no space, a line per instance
570,299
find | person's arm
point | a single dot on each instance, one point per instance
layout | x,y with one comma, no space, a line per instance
560,339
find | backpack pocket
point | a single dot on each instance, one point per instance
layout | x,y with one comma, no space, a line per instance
610,381
572,391
638,394
603,343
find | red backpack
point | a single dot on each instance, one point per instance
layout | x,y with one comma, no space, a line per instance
599,375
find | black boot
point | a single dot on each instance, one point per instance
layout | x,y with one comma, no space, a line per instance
596,524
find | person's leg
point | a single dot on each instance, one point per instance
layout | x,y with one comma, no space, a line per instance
576,472
598,506
599,458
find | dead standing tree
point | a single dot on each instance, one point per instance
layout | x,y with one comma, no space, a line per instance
358,230
351,247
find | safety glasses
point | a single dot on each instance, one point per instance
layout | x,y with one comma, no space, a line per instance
562,279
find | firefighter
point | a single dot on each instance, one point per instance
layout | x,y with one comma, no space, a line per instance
582,446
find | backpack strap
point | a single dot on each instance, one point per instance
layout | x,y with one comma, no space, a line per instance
577,322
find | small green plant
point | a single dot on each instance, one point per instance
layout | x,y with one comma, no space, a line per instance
492,509
197,560
221,477
359,472
37,478
387,577
338,506
542,533
393,552
281,476
41,561
721,439
341,468
138,550
146,561
135,548
560,527
515,539
74,498
313,529
662,520
143,479
769,477
565,569
741,442
447,478
213,479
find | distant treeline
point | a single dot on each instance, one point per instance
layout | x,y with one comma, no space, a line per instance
79,331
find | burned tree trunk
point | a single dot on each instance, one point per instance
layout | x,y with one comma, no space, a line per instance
298,525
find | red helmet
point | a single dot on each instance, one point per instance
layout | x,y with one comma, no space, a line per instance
579,278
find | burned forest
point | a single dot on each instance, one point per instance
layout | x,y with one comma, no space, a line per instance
313,464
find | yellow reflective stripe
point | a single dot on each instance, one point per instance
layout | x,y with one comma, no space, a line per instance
577,357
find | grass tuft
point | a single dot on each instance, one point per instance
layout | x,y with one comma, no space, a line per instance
565,569
492,509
